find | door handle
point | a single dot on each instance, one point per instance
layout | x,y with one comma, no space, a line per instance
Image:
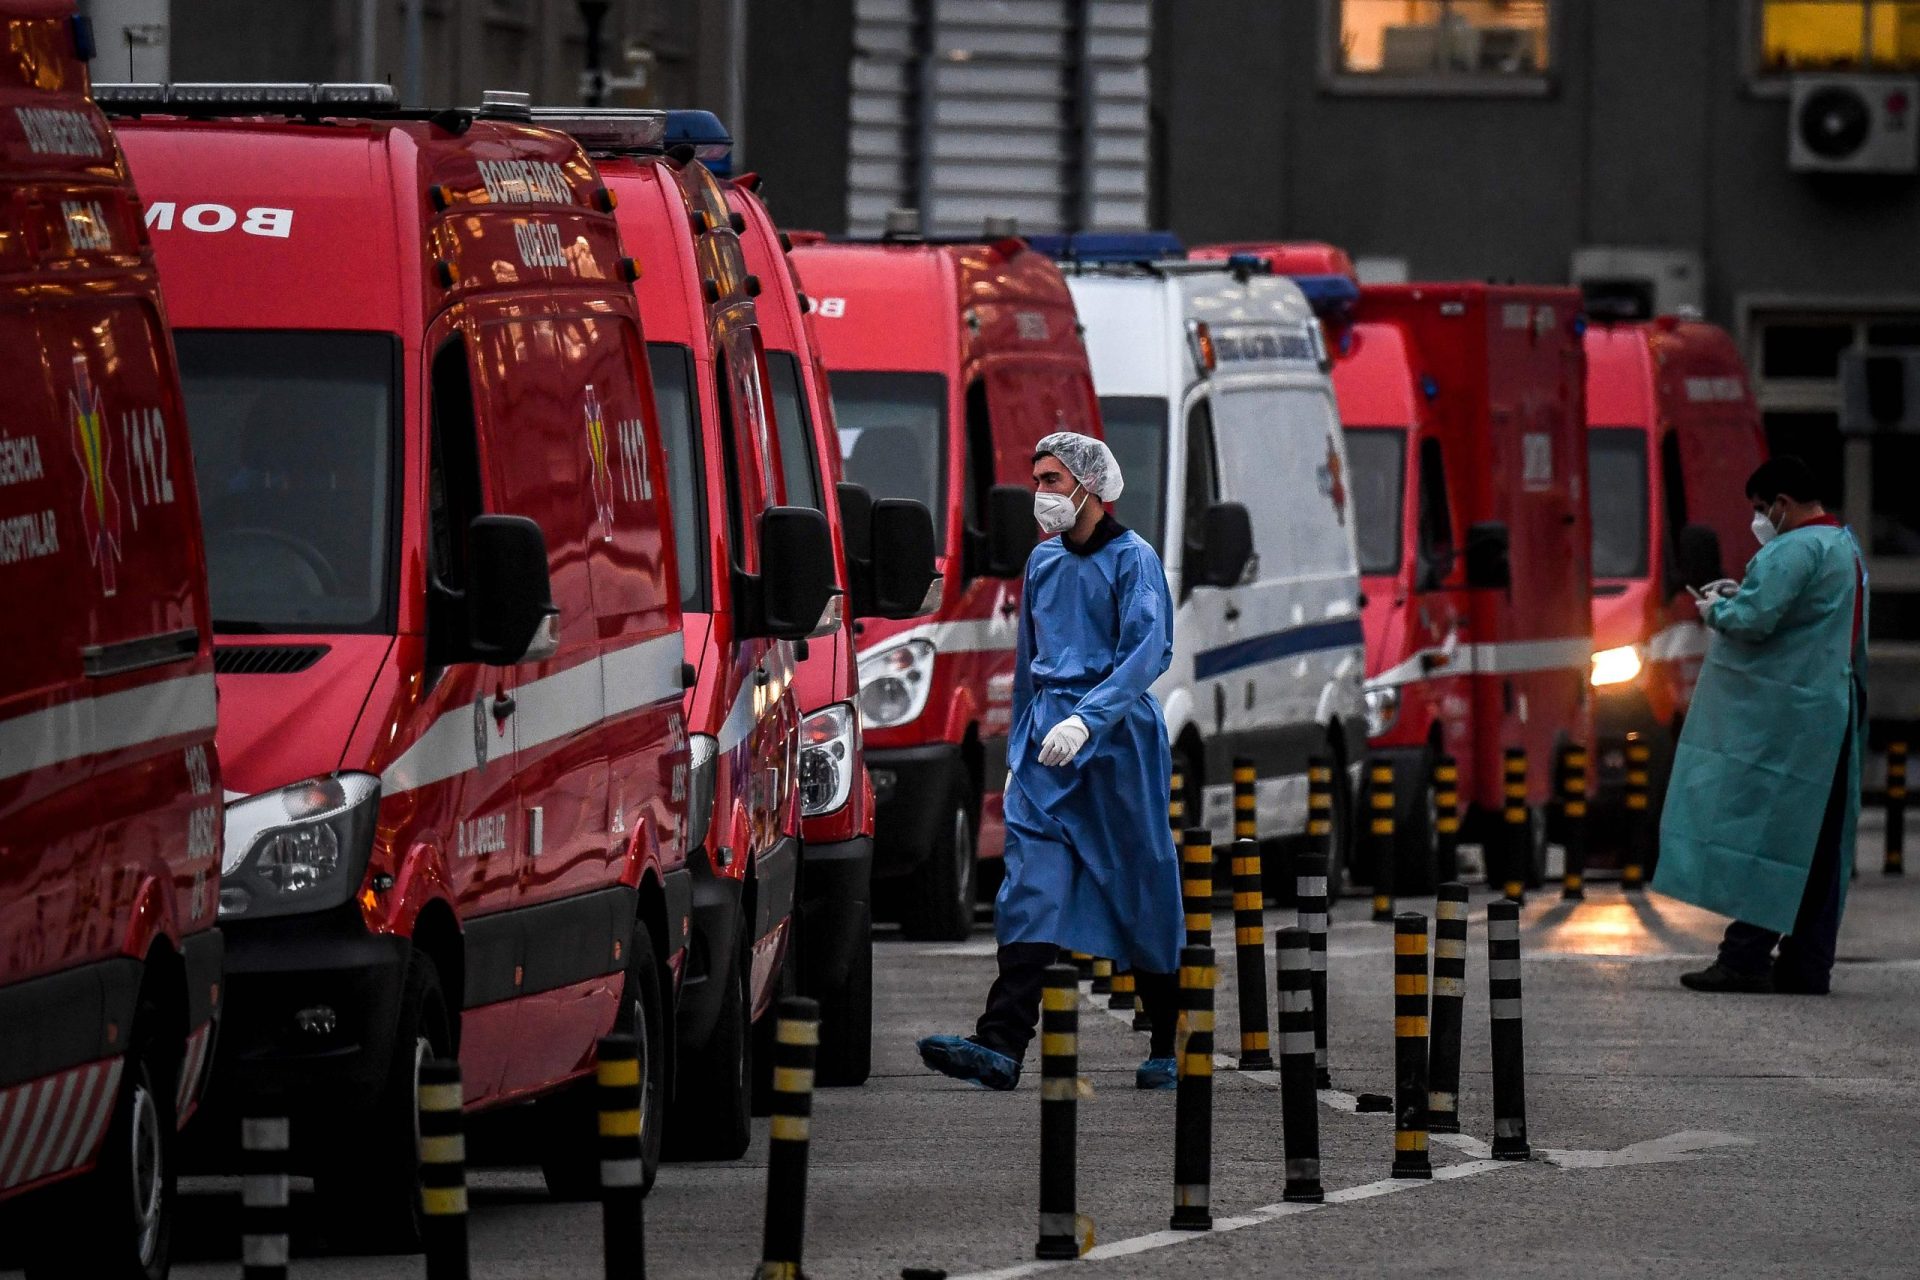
1233,613
502,706
760,676
1010,608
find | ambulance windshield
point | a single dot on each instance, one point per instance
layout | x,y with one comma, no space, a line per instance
1378,459
1617,479
295,448
672,368
1136,431
893,433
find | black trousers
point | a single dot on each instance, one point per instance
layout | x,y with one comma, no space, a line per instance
1806,954
1013,1002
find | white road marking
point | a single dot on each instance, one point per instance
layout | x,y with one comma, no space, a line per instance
1673,1148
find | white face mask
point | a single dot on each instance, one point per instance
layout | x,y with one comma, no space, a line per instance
1055,513
1763,528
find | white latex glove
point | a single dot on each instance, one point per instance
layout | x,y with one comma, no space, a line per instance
1721,588
1704,603
1064,741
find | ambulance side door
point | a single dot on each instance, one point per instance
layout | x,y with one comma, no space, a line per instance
1208,614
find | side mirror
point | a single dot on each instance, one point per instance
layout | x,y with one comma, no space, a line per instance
904,578
856,523
1226,546
1011,531
795,595
1489,556
1698,550
510,609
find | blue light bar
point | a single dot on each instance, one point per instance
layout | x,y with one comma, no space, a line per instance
702,130
1110,246
1329,295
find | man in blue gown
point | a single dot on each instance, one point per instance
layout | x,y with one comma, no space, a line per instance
1090,862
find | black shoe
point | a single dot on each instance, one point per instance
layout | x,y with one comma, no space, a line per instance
1717,977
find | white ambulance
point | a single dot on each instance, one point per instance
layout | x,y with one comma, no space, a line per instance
1215,397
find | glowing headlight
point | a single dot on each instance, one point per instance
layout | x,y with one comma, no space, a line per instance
704,759
894,683
1383,708
301,848
1616,666
826,759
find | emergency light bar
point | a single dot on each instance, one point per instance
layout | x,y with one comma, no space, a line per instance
1110,247
605,129
702,130
234,98
1328,295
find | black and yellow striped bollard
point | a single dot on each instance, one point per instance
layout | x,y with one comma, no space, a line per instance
1193,1104
1446,811
1082,965
1121,997
1509,1045
1059,1112
1640,831
263,1198
1250,956
1410,1159
1299,1107
1177,803
1310,893
1196,885
1102,977
1895,862
1246,811
1517,854
1380,840
618,1093
443,1171
1449,1000
1571,777
796,1042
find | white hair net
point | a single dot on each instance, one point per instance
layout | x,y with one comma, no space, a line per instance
1090,461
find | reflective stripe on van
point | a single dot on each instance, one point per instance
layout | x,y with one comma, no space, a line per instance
1312,637
92,726
1505,658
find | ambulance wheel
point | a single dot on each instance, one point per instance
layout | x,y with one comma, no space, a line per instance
369,1185
937,904
570,1119
713,1103
1416,868
846,1018
117,1221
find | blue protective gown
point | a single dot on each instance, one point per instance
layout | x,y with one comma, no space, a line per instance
1090,862
1783,686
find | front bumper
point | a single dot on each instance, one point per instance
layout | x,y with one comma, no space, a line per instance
836,912
910,790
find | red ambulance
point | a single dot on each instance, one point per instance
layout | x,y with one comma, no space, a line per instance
110,830
444,574
723,457
1672,435
1466,436
886,549
948,362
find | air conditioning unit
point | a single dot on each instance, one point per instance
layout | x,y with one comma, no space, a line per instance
1623,283
1853,124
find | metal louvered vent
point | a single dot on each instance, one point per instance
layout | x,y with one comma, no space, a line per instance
971,109
265,659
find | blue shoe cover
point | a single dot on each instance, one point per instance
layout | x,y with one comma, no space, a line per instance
967,1060
1156,1073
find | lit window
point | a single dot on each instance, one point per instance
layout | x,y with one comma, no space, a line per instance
1839,35
1428,39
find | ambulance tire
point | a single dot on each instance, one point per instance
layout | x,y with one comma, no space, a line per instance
369,1185
846,1020
713,1103
570,1120
1416,867
116,1222
938,899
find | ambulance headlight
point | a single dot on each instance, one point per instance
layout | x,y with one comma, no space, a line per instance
703,762
894,683
827,741
1616,666
301,848
1383,708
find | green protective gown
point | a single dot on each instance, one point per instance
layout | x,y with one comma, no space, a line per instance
1783,685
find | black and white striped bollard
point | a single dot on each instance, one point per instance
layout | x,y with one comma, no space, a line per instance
622,1119
443,1171
1059,1108
1310,895
1299,1107
1193,1104
1509,1049
1410,1158
263,1198
1250,956
1449,996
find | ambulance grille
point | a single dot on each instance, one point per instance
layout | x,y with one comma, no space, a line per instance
265,659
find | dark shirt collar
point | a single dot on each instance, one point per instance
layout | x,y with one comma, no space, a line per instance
1106,531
